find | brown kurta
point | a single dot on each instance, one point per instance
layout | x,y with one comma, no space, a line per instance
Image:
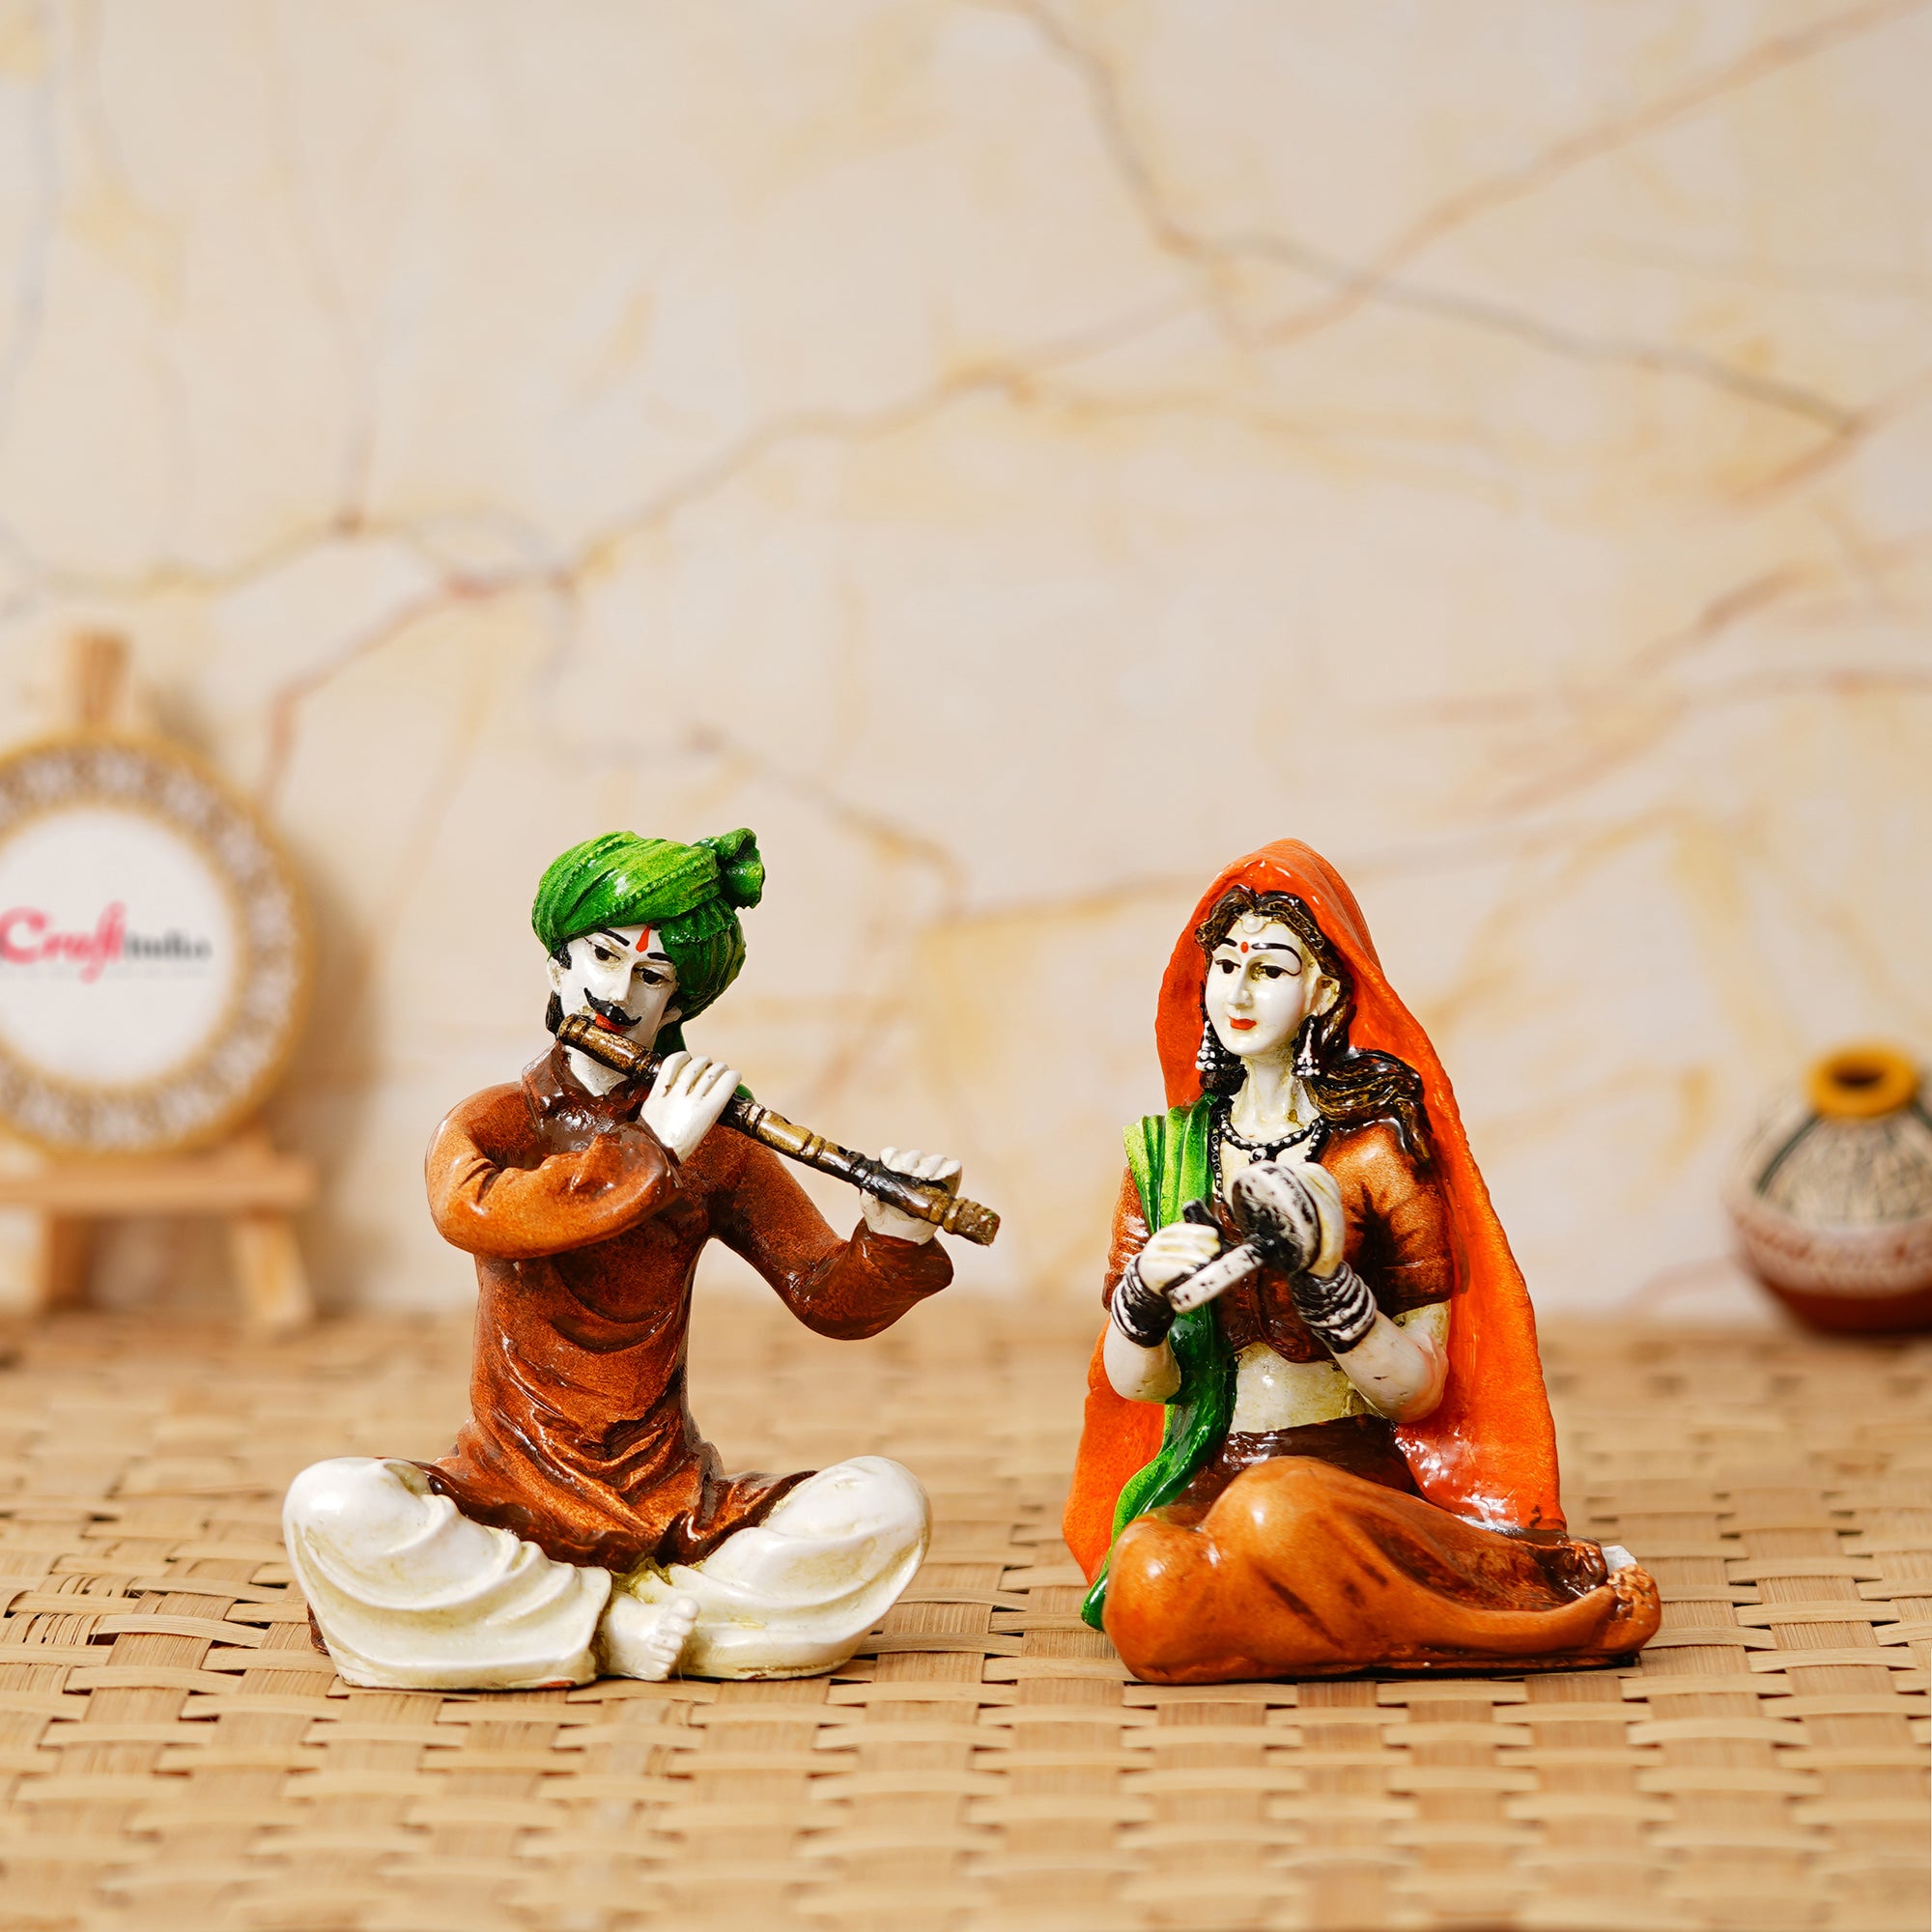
586,1231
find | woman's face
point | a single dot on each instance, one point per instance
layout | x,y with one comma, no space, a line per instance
1262,985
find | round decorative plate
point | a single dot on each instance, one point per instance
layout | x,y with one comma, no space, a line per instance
154,953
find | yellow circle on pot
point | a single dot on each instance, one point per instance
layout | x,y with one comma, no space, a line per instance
1860,1083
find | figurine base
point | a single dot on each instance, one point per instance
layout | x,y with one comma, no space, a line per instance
1446,1667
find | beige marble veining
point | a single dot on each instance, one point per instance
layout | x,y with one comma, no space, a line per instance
1017,456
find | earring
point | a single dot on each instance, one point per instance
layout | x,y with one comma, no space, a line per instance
1207,1056
1305,1062
1214,1063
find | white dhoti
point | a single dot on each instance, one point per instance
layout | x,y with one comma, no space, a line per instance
411,1593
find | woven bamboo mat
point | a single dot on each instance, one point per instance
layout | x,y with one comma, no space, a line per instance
173,1754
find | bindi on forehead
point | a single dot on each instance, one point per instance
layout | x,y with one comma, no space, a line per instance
1253,935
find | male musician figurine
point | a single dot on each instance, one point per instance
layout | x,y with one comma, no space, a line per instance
581,1526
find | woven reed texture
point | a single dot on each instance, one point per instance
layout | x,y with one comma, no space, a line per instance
173,1754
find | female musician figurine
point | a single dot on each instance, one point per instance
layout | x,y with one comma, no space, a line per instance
581,1525
1344,1459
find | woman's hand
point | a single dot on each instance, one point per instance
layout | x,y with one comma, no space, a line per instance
685,1100
1135,1353
1140,1309
1175,1252
937,1170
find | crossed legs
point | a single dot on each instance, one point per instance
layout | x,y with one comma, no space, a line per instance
411,1593
1301,1569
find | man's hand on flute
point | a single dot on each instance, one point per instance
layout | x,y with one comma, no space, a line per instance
936,1170
686,1098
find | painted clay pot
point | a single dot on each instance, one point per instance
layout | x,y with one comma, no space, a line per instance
1833,1196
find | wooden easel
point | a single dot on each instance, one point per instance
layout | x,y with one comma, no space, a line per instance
243,1180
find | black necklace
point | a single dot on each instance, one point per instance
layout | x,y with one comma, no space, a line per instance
1222,1130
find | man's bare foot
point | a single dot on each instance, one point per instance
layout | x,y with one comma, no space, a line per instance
640,1639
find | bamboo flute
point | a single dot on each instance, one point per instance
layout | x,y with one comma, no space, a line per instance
948,1212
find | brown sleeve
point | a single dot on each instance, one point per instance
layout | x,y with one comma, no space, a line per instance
1399,1240
487,1201
1130,1237
847,1290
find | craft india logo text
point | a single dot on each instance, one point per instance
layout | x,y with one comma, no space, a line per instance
32,937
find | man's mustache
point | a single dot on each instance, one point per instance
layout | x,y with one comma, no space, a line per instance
610,1012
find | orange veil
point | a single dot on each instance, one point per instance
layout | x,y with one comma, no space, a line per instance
1487,1453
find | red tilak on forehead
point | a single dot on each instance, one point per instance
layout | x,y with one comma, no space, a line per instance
1245,946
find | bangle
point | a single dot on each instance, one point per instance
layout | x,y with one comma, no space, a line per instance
1142,1313
1338,1308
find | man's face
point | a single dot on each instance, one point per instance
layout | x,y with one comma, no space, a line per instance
1262,985
623,977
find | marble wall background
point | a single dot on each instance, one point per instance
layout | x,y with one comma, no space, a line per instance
1017,456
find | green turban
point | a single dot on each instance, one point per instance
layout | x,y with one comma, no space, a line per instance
688,894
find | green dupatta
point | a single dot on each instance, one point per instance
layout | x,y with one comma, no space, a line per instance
1166,1155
